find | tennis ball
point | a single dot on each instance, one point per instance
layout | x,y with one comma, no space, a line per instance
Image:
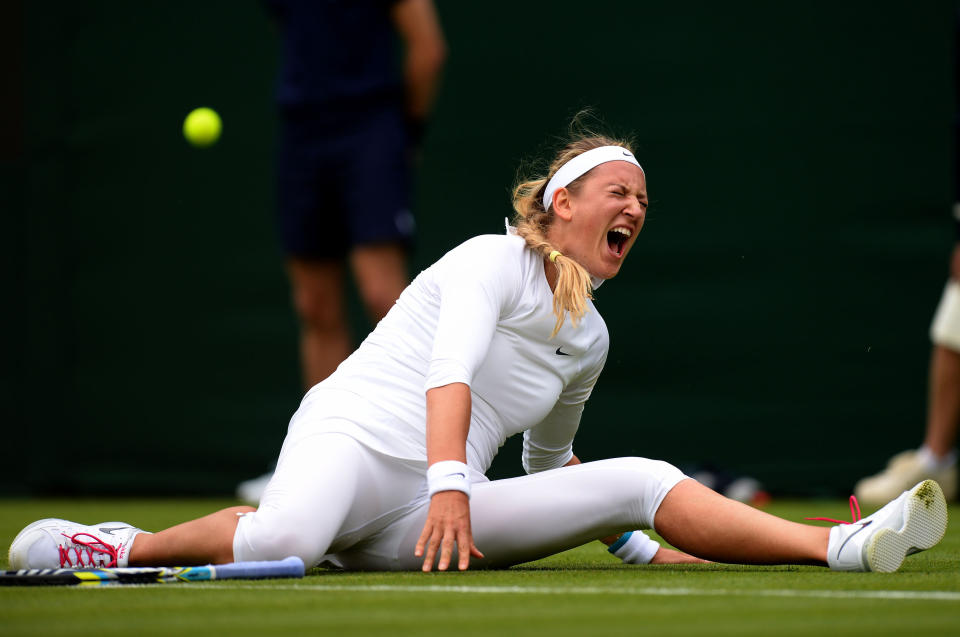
202,127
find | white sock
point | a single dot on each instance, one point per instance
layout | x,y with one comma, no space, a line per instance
126,541
933,462
634,547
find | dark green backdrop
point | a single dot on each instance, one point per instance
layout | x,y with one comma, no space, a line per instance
772,318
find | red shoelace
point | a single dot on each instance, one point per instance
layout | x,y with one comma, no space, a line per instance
88,549
854,513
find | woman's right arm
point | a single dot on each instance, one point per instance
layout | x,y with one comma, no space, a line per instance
448,519
475,284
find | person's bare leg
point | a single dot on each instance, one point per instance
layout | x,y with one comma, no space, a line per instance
702,522
943,417
318,297
381,274
206,540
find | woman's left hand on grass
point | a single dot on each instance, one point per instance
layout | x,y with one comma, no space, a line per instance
447,526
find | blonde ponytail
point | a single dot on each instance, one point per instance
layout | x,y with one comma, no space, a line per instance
573,286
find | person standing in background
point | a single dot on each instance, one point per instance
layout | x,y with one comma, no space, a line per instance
937,457
350,121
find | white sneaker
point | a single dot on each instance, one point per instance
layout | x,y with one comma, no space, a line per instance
904,470
914,522
53,543
250,491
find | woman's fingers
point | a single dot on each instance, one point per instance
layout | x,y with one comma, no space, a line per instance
465,539
427,544
446,550
447,527
422,542
431,541
431,555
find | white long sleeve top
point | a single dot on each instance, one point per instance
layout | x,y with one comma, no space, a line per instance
482,315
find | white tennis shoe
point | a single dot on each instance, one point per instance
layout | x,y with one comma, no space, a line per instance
914,522
53,543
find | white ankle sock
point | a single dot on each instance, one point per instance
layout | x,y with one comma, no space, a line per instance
933,462
126,542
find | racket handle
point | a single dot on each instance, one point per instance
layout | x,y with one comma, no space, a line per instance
289,567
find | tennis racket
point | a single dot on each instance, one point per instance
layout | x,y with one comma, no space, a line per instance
289,567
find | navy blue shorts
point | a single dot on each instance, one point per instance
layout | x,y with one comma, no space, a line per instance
343,181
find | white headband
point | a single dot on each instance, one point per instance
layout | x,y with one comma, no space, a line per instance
581,164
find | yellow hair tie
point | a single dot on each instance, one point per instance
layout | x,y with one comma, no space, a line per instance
554,255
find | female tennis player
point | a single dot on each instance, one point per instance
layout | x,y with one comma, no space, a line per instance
383,464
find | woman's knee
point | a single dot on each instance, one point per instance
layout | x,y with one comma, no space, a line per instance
651,481
646,469
271,536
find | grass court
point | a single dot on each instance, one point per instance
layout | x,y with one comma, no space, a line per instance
579,593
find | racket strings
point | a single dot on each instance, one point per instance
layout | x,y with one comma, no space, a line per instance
89,549
854,513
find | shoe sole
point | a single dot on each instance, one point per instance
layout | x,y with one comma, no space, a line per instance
924,524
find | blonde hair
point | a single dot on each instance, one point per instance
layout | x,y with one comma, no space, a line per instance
532,221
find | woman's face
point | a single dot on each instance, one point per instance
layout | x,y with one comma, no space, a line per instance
598,224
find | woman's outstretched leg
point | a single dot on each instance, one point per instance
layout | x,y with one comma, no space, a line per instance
524,519
206,540
702,522
706,524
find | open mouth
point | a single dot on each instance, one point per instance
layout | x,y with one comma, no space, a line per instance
617,240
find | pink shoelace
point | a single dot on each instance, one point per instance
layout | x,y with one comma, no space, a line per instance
854,513
88,549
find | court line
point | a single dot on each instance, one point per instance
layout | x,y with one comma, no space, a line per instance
948,596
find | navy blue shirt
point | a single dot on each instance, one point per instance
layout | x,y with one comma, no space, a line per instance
336,52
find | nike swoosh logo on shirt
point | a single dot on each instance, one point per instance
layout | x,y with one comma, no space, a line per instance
560,353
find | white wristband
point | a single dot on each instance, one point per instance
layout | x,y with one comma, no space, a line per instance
448,475
635,548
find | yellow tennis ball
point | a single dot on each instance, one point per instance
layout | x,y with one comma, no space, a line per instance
202,127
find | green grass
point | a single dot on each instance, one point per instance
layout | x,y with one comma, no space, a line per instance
580,593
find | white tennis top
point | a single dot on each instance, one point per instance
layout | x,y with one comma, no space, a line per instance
481,315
